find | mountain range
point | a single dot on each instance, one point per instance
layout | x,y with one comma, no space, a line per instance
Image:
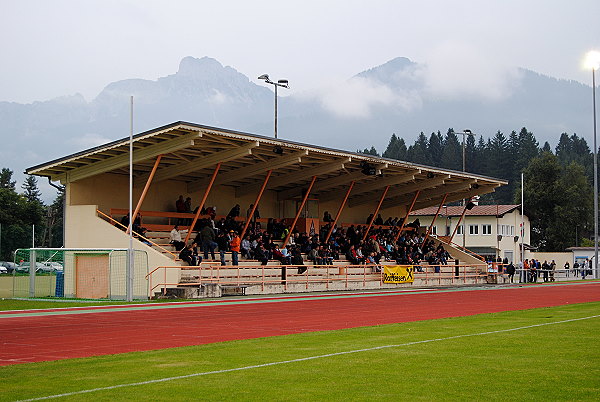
400,96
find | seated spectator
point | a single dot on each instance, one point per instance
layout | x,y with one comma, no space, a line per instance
327,217
190,255
246,247
298,261
313,255
176,241
379,220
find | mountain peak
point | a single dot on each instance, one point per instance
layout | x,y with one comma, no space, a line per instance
191,66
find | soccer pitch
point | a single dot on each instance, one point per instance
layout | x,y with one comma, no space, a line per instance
540,354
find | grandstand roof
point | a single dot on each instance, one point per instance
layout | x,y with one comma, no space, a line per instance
478,210
191,151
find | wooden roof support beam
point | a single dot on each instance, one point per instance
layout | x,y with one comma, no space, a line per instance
252,170
122,160
326,184
337,217
412,204
400,191
458,196
201,205
250,217
432,193
296,176
433,220
143,196
287,238
376,212
200,163
372,185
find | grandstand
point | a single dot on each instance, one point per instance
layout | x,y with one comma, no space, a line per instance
290,181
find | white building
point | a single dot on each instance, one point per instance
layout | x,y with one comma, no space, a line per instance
491,230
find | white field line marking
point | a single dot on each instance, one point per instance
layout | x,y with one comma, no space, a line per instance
87,391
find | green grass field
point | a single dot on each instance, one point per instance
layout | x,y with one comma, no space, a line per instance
548,362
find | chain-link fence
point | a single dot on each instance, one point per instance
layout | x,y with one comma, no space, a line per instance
75,273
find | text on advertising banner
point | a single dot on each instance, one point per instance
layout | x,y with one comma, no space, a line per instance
398,273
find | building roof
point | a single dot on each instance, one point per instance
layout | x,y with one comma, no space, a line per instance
190,153
478,210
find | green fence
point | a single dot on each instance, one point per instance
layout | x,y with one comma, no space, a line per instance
76,273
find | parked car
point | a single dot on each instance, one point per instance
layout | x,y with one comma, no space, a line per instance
24,267
3,270
10,266
52,266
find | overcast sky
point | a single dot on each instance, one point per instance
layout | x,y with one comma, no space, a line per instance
52,48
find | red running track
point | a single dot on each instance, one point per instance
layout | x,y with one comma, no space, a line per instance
84,332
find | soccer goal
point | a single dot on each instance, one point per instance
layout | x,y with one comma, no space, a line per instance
78,274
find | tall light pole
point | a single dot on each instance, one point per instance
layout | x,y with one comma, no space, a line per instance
279,83
593,62
465,132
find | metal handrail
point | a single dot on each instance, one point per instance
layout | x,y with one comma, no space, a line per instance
137,234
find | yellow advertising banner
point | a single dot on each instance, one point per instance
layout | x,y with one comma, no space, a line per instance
398,273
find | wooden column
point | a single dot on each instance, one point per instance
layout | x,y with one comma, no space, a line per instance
339,211
433,221
376,211
407,213
210,184
287,238
260,193
146,187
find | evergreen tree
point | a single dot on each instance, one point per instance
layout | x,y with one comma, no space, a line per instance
546,148
573,213
526,150
32,193
418,153
452,153
5,176
368,151
541,198
396,149
435,148
472,161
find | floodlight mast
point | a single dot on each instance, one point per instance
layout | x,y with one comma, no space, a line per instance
280,83
592,61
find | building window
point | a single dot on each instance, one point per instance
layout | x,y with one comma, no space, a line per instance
486,229
473,229
512,230
434,230
460,230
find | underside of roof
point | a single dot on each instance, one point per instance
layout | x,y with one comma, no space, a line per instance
190,153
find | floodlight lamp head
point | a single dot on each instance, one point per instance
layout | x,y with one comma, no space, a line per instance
283,83
592,60
264,77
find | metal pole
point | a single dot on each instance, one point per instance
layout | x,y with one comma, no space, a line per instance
522,223
595,176
287,238
130,260
275,85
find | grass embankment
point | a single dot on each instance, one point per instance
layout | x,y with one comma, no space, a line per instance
549,362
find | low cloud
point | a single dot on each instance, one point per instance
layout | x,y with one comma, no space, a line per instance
456,70
356,98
